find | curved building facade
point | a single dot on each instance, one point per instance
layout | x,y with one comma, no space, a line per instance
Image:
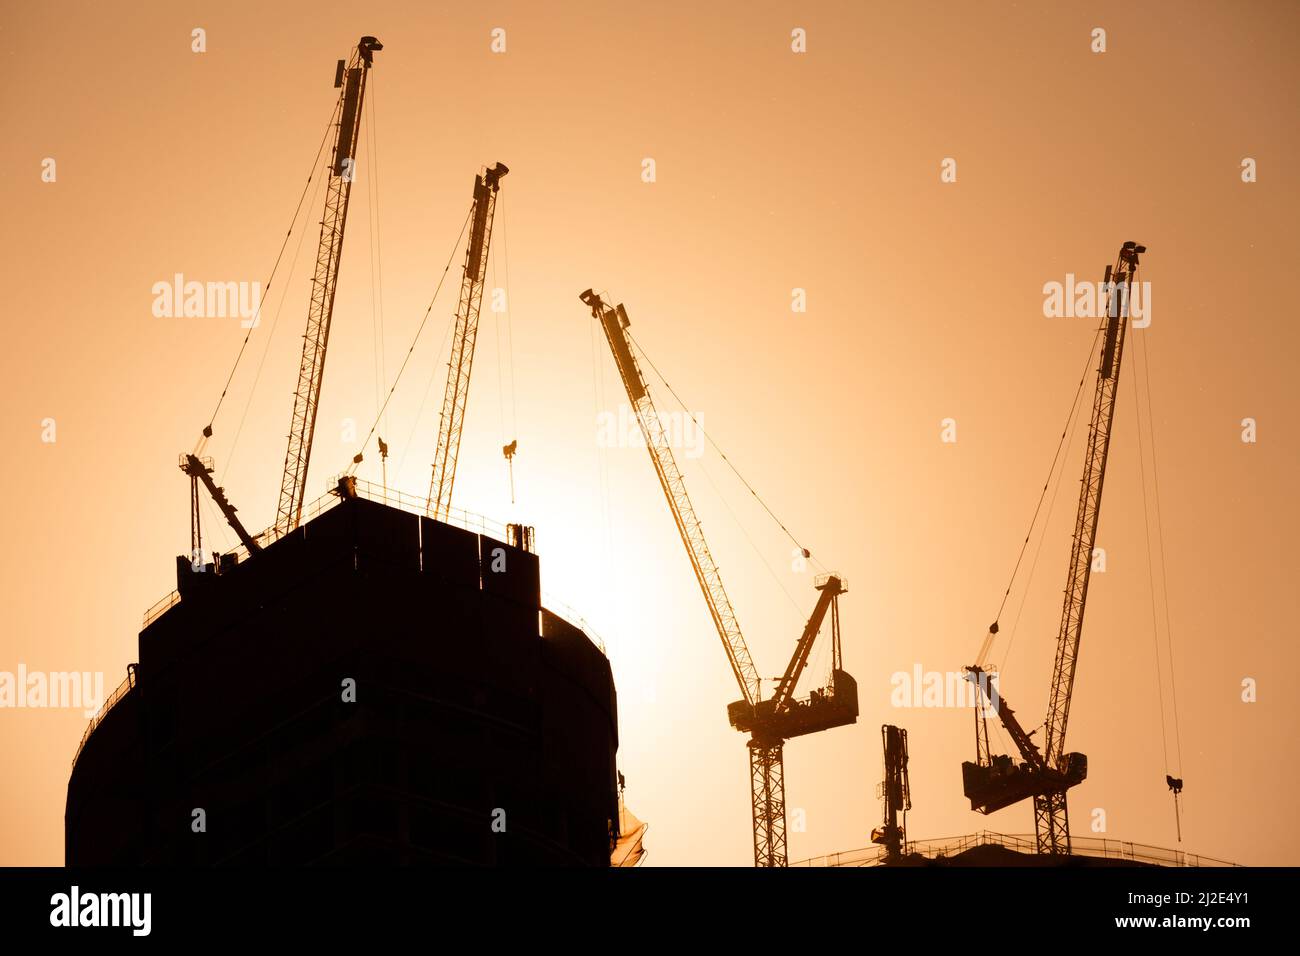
375,687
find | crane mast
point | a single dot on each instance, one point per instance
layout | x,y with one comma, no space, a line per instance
992,781
768,722
351,79
456,394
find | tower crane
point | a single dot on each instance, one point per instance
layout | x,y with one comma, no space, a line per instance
770,722
350,79
995,781
456,394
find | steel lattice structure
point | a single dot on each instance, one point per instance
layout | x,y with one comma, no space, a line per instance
767,780
1051,816
320,309
769,722
456,394
1048,775
614,321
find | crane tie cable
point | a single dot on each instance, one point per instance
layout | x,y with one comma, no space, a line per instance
284,245
1160,538
1151,579
266,348
1060,445
415,341
720,452
1141,351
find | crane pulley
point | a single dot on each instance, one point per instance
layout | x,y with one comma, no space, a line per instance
995,781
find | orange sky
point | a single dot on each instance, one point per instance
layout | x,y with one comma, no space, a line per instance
775,171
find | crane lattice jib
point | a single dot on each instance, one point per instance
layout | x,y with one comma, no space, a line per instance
456,393
200,470
320,310
830,591
614,320
985,690
1118,288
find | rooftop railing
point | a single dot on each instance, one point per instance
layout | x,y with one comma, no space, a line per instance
122,690
1021,843
562,610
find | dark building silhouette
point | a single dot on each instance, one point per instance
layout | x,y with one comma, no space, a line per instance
475,709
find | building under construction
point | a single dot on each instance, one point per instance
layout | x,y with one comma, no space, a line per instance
372,679
374,686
